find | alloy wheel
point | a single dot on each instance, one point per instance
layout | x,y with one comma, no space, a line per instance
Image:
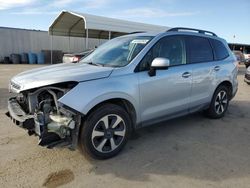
108,133
221,102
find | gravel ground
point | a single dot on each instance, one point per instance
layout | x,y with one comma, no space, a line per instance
191,151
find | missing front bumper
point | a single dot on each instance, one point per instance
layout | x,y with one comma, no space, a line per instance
18,116
48,139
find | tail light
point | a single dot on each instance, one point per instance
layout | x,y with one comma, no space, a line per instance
76,59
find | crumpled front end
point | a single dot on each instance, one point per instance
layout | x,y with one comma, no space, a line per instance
39,112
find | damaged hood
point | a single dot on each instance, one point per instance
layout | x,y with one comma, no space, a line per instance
57,74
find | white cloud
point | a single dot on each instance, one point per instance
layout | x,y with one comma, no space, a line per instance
61,3
35,12
51,7
96,3
8,4
153,13
54,6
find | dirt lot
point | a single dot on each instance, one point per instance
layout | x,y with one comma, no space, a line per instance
192,151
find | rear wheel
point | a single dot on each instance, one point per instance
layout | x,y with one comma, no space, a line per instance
219,103
105,131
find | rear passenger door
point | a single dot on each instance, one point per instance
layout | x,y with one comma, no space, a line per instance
200,55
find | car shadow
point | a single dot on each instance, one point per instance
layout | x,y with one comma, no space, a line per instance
192,146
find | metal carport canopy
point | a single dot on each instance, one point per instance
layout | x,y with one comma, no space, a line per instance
74,24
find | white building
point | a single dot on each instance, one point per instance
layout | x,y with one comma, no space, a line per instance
70,32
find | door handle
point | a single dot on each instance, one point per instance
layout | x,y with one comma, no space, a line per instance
186,74
217,68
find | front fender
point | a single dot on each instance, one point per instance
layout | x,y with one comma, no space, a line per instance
86,95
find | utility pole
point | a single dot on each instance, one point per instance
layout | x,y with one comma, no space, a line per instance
234,42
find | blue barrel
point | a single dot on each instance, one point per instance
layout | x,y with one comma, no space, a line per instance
32,58
24,58
40,58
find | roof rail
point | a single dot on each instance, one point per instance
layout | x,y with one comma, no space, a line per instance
191,29
137,32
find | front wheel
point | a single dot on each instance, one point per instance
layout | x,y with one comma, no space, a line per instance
105,131
219,103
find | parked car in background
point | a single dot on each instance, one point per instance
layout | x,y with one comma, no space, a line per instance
247,76
128,82
247,62
75,57
247,54
239,56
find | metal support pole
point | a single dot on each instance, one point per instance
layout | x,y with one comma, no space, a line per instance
51,49
87,39
69,45
109,35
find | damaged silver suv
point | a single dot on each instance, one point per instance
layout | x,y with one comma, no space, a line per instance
129,82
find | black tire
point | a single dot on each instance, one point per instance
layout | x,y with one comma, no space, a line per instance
91,143
218,107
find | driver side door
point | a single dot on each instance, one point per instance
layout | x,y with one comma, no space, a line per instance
166,94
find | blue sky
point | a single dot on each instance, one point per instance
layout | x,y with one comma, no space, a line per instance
227,18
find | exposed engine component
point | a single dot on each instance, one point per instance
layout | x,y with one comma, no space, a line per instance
53,124
60,125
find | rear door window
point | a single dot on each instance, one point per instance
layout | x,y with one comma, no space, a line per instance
220,51
199,49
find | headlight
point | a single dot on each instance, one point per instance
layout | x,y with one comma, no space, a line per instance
14,87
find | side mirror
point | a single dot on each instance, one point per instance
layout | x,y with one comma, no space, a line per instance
158,63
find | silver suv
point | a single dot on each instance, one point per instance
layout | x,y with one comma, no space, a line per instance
129,82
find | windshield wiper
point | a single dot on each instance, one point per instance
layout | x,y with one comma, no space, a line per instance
95,64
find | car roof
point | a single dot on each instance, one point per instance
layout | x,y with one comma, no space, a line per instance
181,31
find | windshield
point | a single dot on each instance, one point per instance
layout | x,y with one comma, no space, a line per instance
117,52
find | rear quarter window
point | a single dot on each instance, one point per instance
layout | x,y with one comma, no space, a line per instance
220,51
199,49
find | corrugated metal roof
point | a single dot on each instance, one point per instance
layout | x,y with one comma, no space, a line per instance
75,24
